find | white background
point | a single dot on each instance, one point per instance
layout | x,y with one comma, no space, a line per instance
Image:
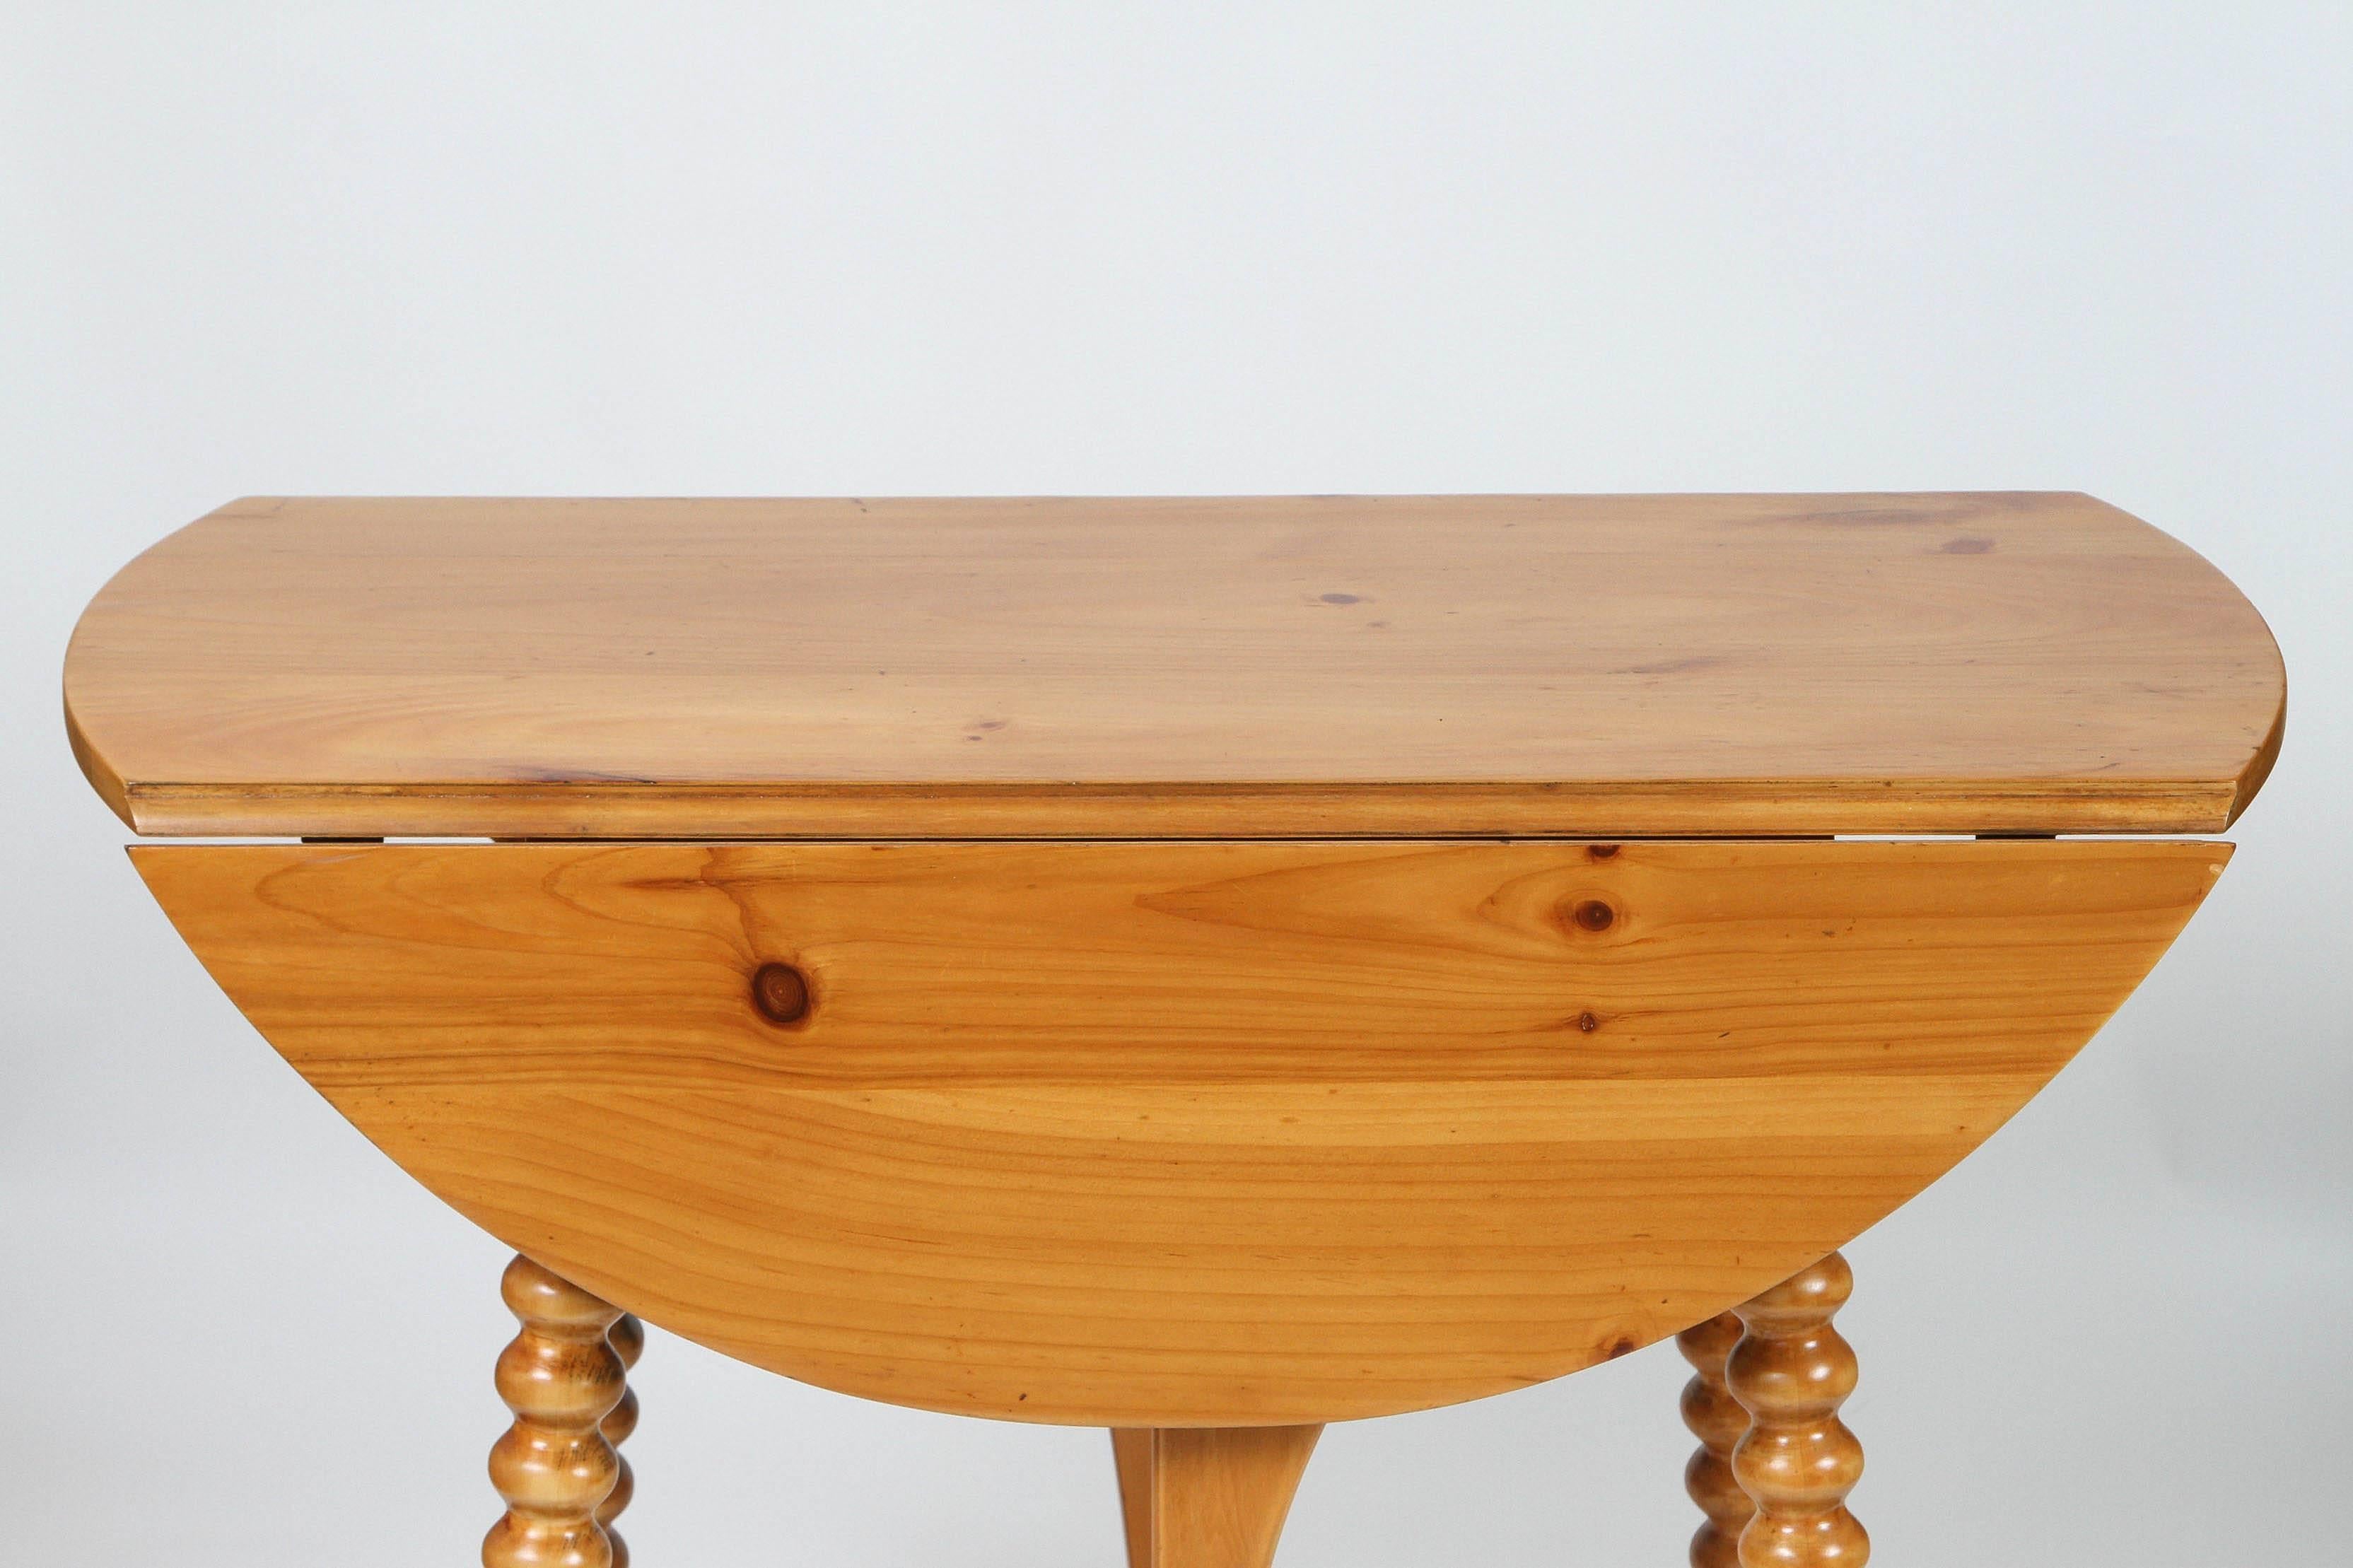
1123,247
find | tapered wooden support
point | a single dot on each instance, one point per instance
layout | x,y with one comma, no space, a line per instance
628,1338
556,1466
1211,1497
1791,1372
1716,1419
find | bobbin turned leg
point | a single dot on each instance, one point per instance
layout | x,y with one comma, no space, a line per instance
1791,1370
555,1467
628,1338
1207,1497
1716,1419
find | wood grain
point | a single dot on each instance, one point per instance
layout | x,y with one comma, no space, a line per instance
1180,1135
1285,667
1209,1496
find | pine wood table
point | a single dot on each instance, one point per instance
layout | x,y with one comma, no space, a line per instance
1203,968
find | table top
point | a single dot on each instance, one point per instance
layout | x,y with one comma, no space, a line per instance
1228,666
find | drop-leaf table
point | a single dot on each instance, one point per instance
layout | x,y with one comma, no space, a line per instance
1203,968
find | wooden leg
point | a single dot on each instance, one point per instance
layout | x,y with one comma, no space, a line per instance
1716,1419
1791,1372
628,1338
555,1467
1207,1497
1131,1451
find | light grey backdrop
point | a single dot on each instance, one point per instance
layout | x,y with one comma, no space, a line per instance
1105,248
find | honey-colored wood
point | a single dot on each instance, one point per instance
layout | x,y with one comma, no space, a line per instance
628,1338
1716,1419
1791,1370
1179,1134
1286,666
554,1467
1131,1453
1207,1497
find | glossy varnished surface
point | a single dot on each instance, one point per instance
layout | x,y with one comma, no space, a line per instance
1791,1370
1239,667
556,1467
1180,1135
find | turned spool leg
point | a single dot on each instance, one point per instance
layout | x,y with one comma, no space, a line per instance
1791,1370
1716,1419
628,1338
556,1466
1207,1497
